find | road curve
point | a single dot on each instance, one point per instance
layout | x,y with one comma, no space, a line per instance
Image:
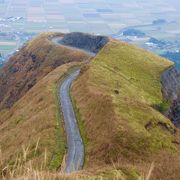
75,154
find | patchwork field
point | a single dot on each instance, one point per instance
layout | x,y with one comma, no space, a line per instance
106,17
110,14
7,46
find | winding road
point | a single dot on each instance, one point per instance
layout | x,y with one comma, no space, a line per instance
75,155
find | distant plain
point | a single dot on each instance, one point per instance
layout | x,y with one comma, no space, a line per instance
105,17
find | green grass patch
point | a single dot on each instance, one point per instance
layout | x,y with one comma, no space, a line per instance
127,79
7,47
163,106
19,119
81,127
60,147
120,173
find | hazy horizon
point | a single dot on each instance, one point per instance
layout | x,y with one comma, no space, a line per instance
22,19
99,16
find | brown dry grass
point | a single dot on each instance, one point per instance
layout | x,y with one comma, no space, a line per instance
35,60
35,118
27,171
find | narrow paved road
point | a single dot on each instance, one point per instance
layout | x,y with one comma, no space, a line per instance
75,155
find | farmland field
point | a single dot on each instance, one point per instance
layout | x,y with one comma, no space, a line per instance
108,13
107,17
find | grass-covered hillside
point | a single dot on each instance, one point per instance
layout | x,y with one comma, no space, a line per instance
117,99
35,60
29,119
32,130
119,107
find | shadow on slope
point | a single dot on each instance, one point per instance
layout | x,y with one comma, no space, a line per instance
35,60
84,41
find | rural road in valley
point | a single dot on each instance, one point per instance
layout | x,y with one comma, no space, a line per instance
75,154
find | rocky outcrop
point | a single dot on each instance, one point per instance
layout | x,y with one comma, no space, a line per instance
170,80
85,41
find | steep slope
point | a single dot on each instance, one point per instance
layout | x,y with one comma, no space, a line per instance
35,126
117,98
30,130
170,80
35,60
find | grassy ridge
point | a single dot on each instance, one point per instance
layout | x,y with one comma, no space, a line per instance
114,100
28,91
115,95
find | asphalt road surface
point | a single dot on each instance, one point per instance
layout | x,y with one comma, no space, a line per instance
75,154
